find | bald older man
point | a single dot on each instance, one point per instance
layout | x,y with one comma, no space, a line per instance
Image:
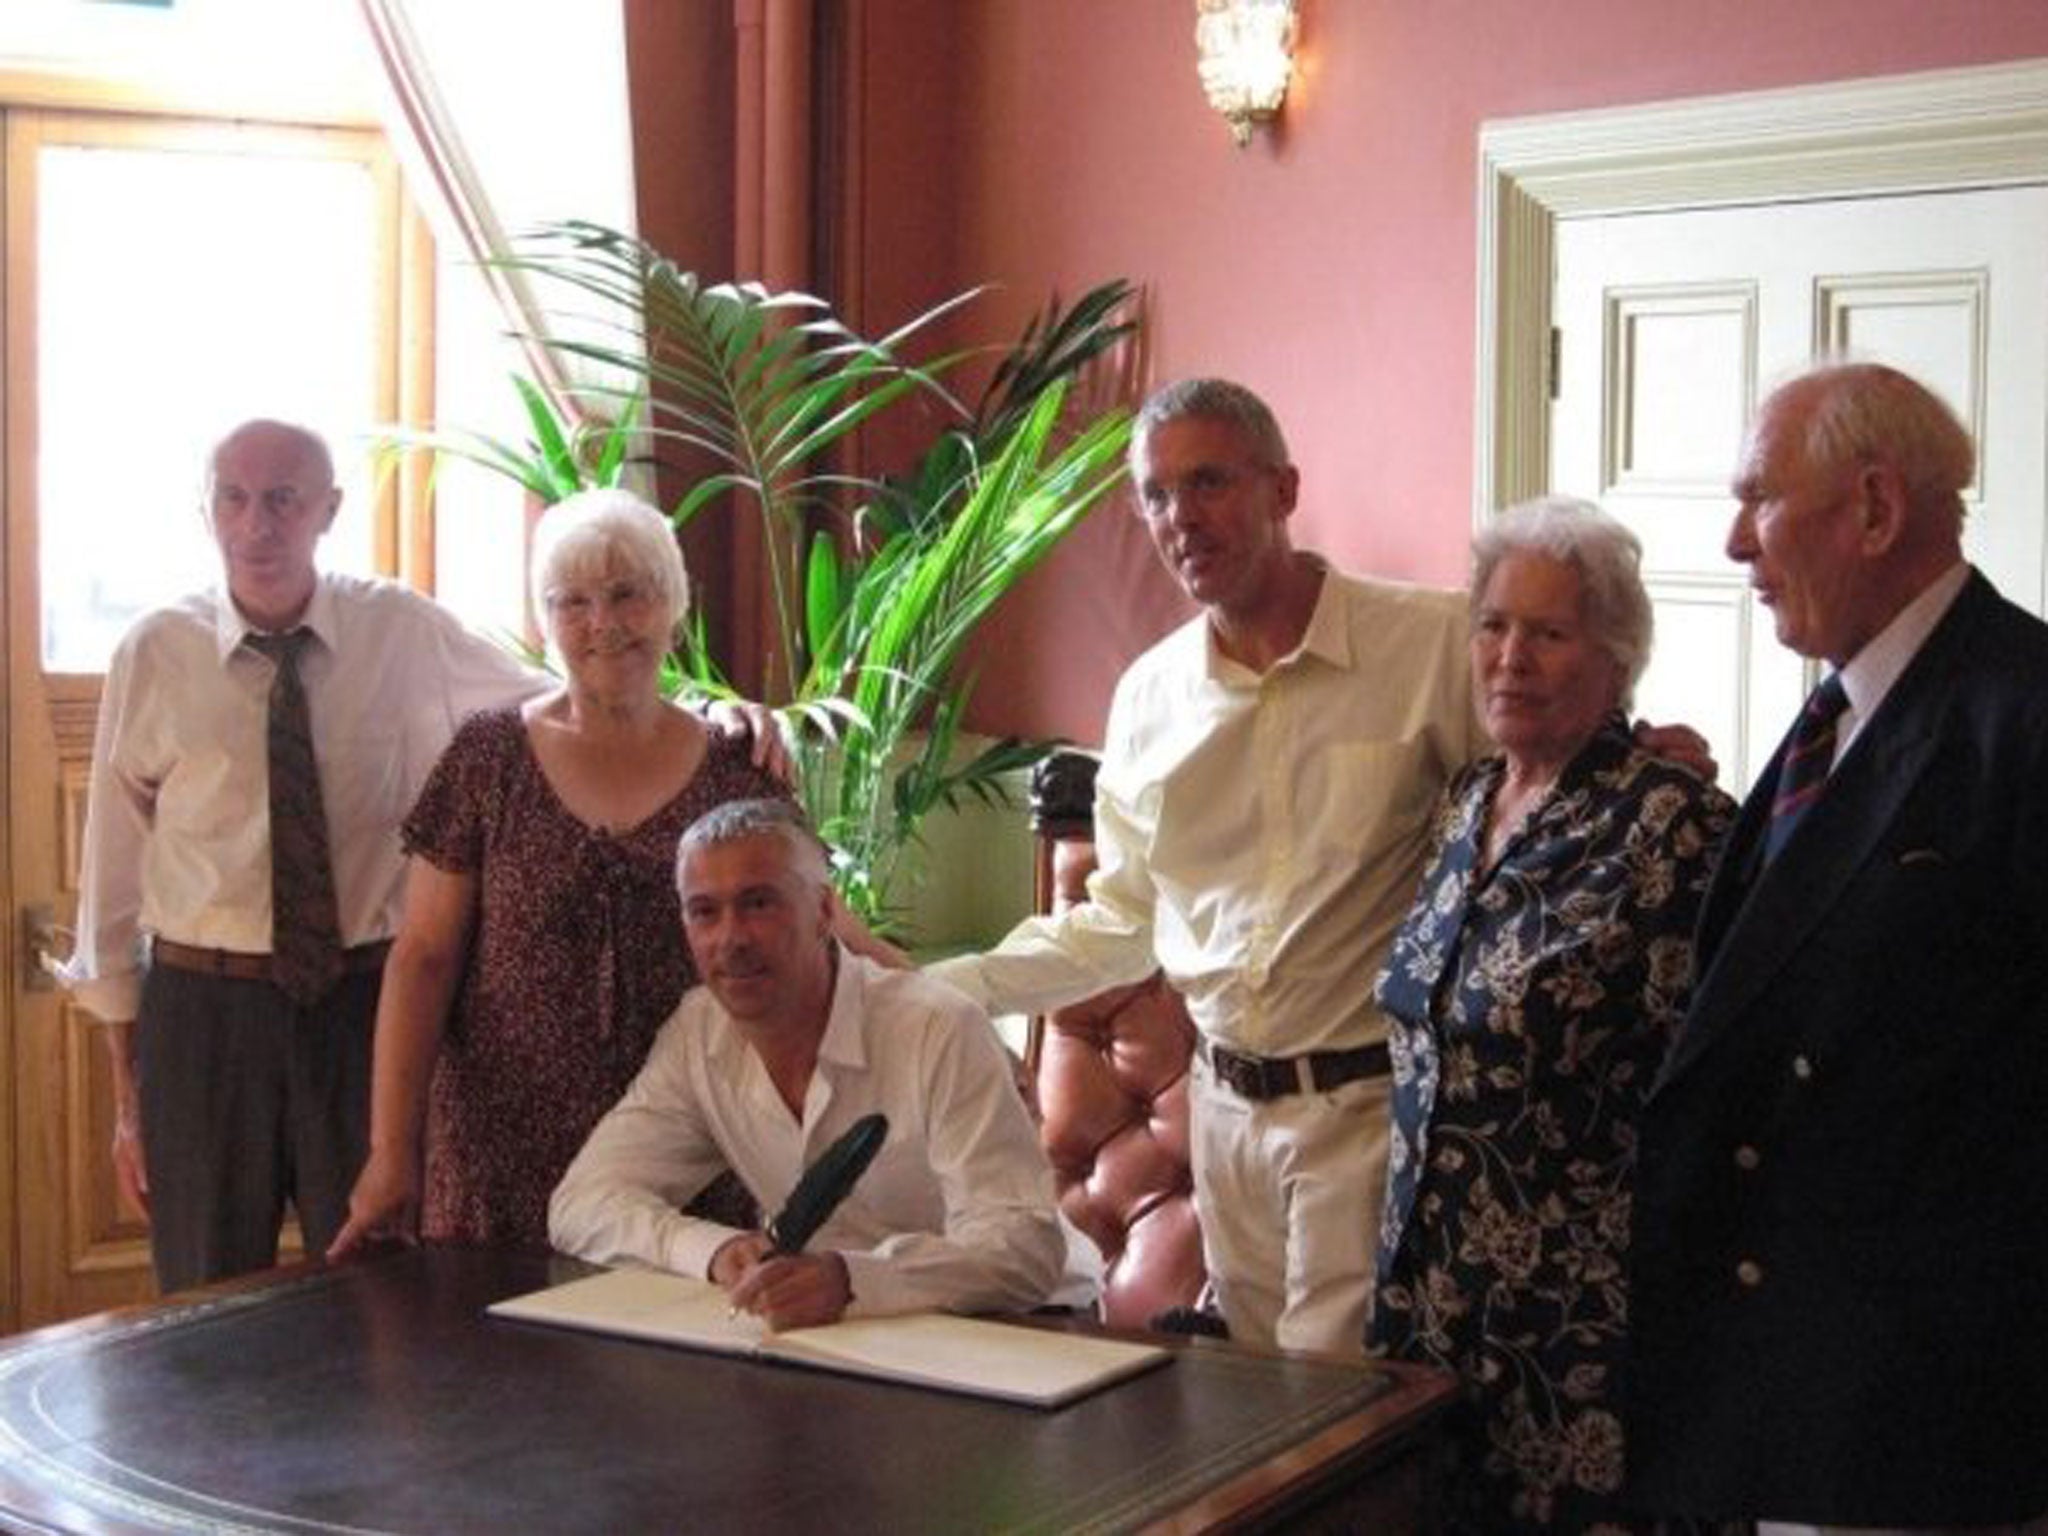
1840,1314
234,1098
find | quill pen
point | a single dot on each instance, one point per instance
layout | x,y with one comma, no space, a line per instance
827,1182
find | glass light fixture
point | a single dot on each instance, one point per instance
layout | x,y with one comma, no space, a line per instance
1246,50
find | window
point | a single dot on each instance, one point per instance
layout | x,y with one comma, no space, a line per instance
186,276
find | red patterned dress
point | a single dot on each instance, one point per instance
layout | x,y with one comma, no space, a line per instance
576,960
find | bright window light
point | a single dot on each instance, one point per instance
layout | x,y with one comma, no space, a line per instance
181,292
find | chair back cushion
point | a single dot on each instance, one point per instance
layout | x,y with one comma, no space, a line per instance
1112,1077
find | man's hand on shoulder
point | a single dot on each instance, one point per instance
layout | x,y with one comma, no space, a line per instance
860,939
743,718
1680,744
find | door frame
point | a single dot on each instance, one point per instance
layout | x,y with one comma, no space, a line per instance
98,1261
1941,130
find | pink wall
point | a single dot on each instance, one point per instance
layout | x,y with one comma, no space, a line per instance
1048,144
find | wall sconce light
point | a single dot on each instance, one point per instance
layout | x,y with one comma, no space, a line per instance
1246,52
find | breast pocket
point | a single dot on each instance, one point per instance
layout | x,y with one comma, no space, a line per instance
1379,793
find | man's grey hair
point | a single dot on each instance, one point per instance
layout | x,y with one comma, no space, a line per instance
737,820
1607,558
1866,413
593,532
1216,400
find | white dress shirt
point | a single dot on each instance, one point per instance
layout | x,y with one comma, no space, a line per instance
955,1212
177,831
1260,836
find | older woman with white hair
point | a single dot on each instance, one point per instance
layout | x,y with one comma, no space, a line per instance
542,945
1532,993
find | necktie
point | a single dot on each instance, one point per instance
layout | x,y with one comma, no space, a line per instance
305,942
1808,756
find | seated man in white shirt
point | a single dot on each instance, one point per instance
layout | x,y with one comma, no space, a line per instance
789,1041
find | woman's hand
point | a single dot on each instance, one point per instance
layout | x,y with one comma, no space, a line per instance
383,1207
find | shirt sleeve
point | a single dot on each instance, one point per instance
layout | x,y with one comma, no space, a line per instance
105,970
1105,941
447,824
1002,1248
651,1154
479,674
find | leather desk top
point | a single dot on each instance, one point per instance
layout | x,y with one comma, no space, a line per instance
378,1397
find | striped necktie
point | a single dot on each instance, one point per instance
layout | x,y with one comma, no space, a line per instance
1808,757
305,931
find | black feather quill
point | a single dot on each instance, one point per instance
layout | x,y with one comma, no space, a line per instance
827,1182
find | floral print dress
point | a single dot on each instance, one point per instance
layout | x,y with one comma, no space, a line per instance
577,961
1530,1006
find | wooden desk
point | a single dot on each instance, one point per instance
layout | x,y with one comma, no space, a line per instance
378,1397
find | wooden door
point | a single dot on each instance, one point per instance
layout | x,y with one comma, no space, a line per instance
163,279
1673,325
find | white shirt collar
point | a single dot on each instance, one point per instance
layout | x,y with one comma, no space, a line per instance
1327,636
231,627
1872,671
843,1043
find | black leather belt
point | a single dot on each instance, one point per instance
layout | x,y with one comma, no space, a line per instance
1274,1077
247,967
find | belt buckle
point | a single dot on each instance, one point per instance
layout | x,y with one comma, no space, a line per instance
1257,1078
1235,1071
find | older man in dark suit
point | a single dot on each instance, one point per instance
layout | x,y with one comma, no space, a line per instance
1841,1302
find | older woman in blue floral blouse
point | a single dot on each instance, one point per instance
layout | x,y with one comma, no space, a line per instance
1532,992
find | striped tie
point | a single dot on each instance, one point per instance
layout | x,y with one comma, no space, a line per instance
1808,756
305,926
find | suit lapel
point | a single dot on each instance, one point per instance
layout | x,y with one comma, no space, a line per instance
1751,927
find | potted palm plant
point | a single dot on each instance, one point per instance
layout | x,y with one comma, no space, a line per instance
877,583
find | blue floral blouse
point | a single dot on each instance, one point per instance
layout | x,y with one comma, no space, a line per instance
1530,1007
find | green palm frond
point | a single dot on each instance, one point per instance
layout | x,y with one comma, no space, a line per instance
878,584
557,460
766,384
919,599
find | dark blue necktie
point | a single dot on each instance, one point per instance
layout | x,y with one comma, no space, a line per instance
1808,756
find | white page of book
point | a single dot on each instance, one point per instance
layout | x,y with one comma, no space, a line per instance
962,1354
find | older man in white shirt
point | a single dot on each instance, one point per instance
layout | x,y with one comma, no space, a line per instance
232,1098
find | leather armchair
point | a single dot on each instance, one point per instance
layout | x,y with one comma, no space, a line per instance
1111,1077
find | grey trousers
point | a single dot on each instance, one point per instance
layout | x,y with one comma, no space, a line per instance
249,1103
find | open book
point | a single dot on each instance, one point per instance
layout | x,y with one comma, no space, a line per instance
1040,1366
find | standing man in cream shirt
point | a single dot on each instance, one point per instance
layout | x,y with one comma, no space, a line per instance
1260,820
232,1098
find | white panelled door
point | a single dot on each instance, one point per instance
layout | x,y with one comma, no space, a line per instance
1673,325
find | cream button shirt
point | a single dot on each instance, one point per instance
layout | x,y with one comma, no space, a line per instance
1260,836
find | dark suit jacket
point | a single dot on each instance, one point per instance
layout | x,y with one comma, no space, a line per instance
1842,1226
